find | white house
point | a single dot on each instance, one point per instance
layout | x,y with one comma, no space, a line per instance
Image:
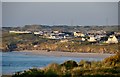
38,33
20,32
92,39
83,39
112,39
55,31
78,34
53,36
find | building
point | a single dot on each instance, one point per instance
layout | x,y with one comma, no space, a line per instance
83,39
92,39
112,39
38,33
54,36
20,32
78,34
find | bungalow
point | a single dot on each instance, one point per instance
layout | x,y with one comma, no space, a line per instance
53,36
56,31
92,39
98,37
66,35
95,32
20,32
112,39
38,33
78,34
83,39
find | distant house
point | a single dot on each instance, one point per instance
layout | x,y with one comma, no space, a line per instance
92,39
112,39
83,39
20,32
38,33
55,31
98,37
78,34
53,36
65,35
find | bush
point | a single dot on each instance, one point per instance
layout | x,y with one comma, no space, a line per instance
112,60
51,73
30,73
85,64
77,71
53,66
70,64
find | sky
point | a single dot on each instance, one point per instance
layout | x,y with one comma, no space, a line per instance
0,14
59,13
60,0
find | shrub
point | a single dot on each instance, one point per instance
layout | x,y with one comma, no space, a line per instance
77,71
51,73
85,64
112,60
30,73
69,64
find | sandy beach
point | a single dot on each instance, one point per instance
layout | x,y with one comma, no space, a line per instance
68,54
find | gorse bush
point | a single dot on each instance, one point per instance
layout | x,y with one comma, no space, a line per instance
70,64
30,73
112,60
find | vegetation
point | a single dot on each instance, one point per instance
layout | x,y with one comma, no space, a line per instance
108,67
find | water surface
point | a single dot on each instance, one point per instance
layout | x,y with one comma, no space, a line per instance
18,61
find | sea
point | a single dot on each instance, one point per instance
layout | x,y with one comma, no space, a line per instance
19,61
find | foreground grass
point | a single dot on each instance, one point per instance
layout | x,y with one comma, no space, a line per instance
108,67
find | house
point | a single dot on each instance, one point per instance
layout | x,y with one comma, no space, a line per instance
112,39
95,32
78,34
66,35
55,31
54,36
98,37
38,33
83,39
92,39
20,32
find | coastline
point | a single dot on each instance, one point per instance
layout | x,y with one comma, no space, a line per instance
67,54
63,54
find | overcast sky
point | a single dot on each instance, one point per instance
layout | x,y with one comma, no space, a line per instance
52,13
60,0
0,14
